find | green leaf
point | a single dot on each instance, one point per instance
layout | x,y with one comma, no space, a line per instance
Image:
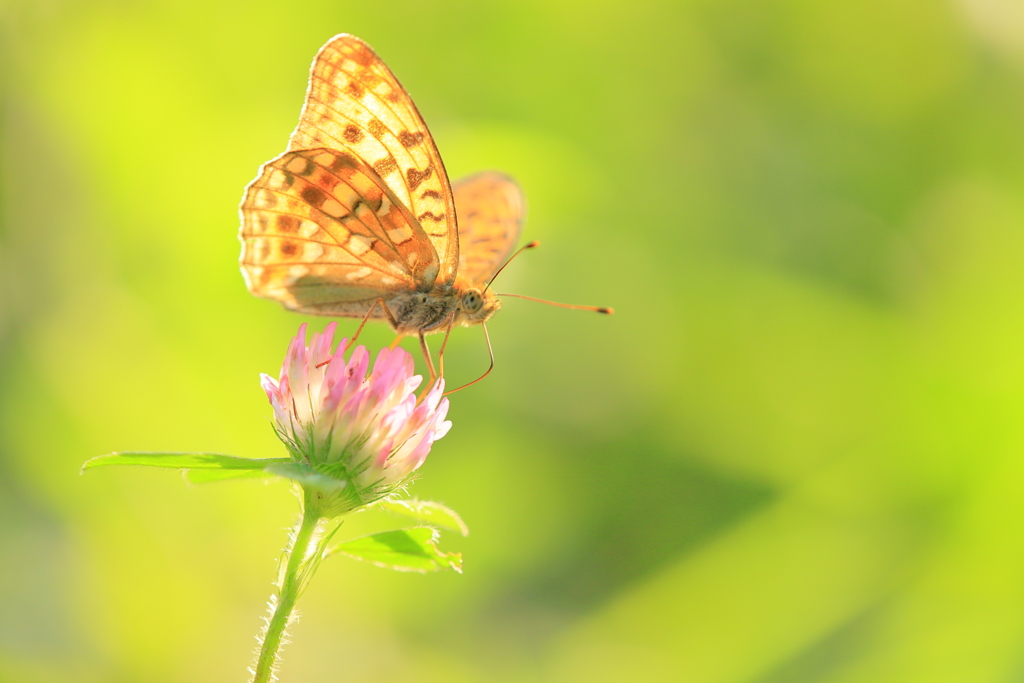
429,512
405,550
204,467
213,461
202,476
303,474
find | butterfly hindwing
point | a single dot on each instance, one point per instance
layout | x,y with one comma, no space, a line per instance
490,208
355,103
323,233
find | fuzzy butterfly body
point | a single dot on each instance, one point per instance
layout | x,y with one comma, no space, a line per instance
359,211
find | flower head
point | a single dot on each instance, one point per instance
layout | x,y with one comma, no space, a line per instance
367,432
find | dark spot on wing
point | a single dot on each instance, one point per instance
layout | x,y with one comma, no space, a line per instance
340,162
359,53
313,196
327,181
427,216
377,129
286,223
410,139
433,194
416,177
385,166
289,248
352,134
353,89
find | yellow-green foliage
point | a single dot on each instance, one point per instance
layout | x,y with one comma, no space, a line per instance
794,455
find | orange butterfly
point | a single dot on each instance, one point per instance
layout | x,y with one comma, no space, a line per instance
357,217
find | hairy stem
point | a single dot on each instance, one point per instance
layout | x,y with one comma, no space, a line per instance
297,558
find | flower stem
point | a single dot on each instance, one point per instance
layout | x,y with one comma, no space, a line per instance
301,552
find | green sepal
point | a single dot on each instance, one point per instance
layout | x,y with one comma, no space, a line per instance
207,461
404,550
427,511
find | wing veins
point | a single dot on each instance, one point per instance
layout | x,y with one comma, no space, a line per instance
326,68
398,260
387,129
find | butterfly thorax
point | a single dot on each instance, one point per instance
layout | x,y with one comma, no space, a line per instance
434,311
423,312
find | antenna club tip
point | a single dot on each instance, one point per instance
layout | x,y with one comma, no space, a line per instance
606,311
532,245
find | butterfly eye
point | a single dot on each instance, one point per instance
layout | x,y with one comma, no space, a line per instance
472,301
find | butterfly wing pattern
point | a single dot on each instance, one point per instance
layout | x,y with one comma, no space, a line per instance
359,208
324,234
490,210
355,103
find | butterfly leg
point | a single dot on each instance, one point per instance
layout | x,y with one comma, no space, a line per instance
489,351
387,312
430,361
366,317
440,354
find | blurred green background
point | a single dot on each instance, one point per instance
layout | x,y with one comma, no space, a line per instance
793,455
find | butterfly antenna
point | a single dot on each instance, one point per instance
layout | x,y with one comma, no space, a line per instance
532,245
596,309
489,351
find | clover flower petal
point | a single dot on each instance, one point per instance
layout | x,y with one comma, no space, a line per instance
360,425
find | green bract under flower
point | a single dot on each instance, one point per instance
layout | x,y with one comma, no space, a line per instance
368,433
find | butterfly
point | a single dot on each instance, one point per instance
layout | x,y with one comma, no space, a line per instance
357,217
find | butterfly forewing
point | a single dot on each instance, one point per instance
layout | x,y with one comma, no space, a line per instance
323,233
490,209
355,103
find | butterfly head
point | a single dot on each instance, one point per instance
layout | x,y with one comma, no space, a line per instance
475,306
